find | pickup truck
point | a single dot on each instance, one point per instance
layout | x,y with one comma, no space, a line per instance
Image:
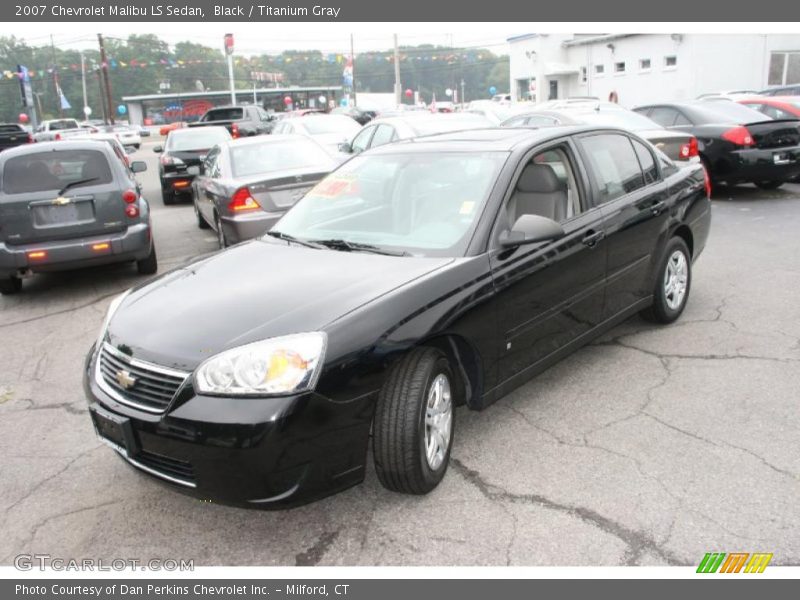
12,135
240,121
59,129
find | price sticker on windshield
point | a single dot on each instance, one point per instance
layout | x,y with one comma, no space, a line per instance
336,187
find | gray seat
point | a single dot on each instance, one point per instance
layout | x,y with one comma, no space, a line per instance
539,192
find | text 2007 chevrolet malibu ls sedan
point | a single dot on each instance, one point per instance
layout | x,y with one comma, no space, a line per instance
418,276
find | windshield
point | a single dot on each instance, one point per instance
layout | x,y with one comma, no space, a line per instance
618,118
61,125
224,114
270,156
424,203
725,111
196,139
329,124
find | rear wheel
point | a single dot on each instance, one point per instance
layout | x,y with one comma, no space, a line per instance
148,265
221,239
413,429
768,185
167,196
10,285
673,282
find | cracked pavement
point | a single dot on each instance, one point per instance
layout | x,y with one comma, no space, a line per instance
651,446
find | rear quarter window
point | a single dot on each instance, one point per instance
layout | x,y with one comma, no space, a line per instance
47,171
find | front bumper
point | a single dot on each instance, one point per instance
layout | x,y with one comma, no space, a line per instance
264,453
774,164
247,226
128,245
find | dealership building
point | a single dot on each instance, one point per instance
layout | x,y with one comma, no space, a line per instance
643,68
157,109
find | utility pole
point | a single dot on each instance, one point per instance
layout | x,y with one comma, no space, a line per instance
102,95
55,79
397,92
353,63
106,79
463,99
83,85
229,52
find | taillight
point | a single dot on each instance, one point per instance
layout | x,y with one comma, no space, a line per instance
132,211
707,182
739,136
234,131
242,200
57,137
130,196
689,149
167,160
30,138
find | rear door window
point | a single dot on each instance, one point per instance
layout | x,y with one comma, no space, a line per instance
614,165
383,135
46,171
646,161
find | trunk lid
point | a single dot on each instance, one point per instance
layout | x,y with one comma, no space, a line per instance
669,142
775,134
281,192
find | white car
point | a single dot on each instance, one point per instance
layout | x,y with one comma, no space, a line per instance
126,135
329,131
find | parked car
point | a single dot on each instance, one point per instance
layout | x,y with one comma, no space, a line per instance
328,130
677,145
736,144
58,129
782,90
185,148
730,94
414,278
244,186
67,205
385,130
112,140
775,107
362,117
13,135
240,121
126,135
165,130
496,112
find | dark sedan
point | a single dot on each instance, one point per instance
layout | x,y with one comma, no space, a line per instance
418,276
736,144
185,148
244,186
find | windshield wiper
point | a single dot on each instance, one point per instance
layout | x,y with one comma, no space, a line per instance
357,247
290,238
74,183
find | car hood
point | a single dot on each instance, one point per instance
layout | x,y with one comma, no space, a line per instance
253,291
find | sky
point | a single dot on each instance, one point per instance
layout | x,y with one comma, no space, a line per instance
273,38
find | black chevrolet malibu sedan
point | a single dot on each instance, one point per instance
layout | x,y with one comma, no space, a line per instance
419,276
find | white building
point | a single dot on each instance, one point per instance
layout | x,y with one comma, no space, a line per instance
649,67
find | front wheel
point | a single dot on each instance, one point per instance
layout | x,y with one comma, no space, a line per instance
413,429
10,285
768,185
673,282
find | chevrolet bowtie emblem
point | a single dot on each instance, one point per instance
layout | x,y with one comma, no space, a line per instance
125,379
60,201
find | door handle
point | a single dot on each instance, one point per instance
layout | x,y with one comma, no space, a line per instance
592,237
658,207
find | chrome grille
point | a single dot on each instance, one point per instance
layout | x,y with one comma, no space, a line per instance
153,386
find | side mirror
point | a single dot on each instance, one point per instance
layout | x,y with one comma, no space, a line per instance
530,229
158,149
346,148
138,166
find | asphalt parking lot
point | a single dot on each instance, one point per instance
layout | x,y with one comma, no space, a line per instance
652,446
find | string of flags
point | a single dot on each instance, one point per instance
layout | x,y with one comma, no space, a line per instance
171,63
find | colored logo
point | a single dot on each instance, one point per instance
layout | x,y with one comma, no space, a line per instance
735,562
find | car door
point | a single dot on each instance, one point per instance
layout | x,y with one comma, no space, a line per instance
384,134
548,294
633,198
362,139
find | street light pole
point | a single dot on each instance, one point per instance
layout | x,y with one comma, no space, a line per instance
83,85
397,97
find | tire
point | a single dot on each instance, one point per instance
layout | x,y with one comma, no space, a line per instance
221,239
149,264
666,307
10,285
768,185
401,427
201,222
167,197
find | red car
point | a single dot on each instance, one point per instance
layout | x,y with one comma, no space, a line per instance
165,129
775,107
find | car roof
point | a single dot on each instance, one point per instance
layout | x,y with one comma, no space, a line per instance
486,139
256,140
65,145
186,130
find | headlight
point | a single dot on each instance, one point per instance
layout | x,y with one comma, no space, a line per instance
112,308
281,365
